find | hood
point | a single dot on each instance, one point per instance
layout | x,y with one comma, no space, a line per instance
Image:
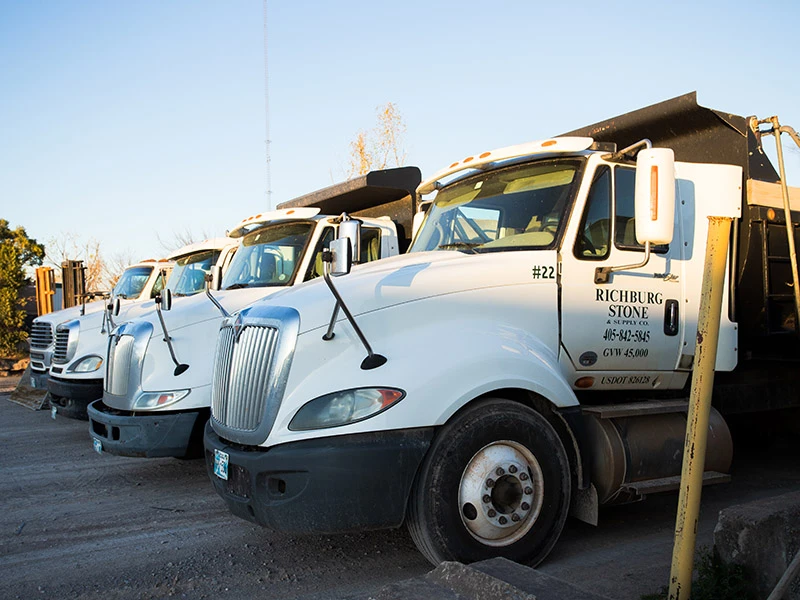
69,314
408,278
187,311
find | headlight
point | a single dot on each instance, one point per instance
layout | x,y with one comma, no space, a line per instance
86,365
342,408
159,399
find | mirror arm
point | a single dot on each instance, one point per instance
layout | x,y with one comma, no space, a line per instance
214,301
179,367
372,360
329,335
603,274
620,154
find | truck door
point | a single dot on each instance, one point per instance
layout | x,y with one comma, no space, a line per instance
631,323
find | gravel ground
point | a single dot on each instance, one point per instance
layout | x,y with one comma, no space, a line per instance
76,524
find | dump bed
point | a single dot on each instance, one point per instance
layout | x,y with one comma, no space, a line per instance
388,192
762,300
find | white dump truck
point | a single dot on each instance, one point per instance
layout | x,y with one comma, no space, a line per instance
76,372
158,392
529,354
138,283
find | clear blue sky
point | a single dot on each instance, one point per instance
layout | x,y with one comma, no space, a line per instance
122,120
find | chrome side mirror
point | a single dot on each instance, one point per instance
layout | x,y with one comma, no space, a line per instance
341,251
165,299
351,229
215,282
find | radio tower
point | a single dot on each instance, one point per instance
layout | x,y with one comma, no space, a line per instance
266,111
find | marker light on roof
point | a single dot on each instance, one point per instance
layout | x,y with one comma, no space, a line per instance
530,149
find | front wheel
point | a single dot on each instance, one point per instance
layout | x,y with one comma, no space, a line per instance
496,482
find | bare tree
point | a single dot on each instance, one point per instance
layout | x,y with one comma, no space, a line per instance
180,239
382,146
68,246
117,264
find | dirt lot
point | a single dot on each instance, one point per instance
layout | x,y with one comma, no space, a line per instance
76,524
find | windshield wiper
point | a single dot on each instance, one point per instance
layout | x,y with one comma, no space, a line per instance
237,286
463,246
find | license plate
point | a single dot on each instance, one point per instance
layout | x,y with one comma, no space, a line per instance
98,445
221,464
53,412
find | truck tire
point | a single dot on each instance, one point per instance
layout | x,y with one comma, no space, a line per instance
495,482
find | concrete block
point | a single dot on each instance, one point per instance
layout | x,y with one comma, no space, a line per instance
495,579
469,582
763,536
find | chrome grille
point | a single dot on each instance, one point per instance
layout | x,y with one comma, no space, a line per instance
62,345
241,376
41,334
119,364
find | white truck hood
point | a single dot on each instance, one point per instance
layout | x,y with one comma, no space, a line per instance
407,278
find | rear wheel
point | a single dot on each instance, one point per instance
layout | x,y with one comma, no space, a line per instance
496,482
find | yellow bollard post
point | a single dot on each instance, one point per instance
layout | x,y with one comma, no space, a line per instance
694,449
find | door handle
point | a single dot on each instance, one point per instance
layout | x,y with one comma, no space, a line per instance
671,317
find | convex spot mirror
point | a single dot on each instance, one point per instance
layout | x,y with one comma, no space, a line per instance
655,196
341,256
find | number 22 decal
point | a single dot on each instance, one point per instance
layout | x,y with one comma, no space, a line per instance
543,272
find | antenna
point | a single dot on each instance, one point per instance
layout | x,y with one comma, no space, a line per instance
266,110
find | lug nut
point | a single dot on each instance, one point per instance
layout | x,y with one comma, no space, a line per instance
528,490
523,476
487,498
525,506
503,520
492,513
490,483
512,469
515,517
500,471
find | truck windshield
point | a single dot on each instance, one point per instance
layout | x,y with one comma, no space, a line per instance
132,282
516,208
269,256
189,275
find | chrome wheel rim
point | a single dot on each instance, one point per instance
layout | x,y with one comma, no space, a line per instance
501,493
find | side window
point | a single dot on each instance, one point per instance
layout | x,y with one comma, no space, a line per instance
370,244
158,285
316,266
594,235
624,222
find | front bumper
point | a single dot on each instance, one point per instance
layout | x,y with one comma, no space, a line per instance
325,485
147,435
70,398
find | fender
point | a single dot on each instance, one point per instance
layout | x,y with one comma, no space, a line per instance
458,352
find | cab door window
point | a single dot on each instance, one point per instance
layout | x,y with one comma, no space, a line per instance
594,236
370,249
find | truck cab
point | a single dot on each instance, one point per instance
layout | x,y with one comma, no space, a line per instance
157,395
535,345
76,372
138,283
